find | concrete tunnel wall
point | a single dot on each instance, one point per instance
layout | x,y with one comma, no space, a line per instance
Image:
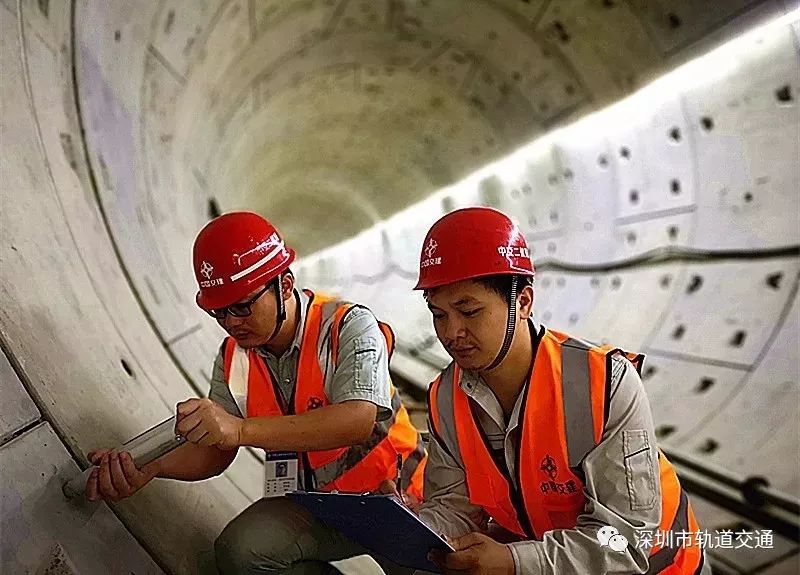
121,122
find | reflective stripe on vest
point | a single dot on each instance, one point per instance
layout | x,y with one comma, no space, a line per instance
562,418
357,468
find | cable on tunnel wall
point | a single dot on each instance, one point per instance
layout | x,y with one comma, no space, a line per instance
652,258
674,255
752,497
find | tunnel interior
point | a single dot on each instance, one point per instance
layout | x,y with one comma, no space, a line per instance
648,150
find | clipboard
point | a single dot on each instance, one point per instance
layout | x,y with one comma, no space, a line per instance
381,523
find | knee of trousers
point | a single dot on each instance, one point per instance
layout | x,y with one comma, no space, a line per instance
242,547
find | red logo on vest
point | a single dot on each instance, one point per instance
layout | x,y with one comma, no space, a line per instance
314,403
549,467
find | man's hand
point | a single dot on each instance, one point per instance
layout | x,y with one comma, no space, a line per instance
206,423
116,476
388,487
476,554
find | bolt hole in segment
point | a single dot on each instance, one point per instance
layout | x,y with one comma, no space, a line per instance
709,446
705,384
774,280
695,284
126,366
784,94
213,208
738,338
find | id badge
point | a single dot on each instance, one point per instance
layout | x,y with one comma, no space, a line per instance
280,473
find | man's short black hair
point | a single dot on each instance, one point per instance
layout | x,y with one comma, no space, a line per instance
501,284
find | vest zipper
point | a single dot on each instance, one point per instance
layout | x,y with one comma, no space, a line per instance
516,497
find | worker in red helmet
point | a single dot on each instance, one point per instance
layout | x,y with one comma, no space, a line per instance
543,457
301,375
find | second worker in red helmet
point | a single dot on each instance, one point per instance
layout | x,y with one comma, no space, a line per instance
543,457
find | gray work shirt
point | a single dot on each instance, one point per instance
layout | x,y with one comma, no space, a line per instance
615,486
362,367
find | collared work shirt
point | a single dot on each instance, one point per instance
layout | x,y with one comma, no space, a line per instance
609,501
361,373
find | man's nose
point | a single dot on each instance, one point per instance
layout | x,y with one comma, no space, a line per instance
455,329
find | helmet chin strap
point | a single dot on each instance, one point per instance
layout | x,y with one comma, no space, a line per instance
512,322
281,312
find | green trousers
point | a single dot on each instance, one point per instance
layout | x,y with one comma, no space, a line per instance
281,537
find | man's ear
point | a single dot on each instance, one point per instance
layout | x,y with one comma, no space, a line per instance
287,285
525,302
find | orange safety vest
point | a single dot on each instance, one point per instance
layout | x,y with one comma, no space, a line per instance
562,418
355,469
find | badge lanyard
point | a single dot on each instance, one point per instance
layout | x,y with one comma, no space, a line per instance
281,468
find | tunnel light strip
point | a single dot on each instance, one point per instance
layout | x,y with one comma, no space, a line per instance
709,67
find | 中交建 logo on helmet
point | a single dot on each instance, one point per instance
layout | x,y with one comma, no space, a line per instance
207,270
429,250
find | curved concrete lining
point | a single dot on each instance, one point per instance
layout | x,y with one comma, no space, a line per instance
354,125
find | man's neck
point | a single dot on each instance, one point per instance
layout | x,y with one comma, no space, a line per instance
285,336
508,378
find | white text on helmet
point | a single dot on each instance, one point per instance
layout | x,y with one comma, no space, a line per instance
211,283
513,251
430,262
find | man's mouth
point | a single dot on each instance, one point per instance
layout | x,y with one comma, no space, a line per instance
463,350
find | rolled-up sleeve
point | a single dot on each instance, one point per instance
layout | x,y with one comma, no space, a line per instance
219,391
362,366
622,490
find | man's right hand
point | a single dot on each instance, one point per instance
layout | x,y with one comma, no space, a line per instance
116,477
388,487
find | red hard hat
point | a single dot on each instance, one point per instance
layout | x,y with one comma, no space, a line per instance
234,254
471,243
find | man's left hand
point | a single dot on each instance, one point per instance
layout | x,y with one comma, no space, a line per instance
206,423
476,554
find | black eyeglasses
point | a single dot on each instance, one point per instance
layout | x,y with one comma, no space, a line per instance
241,309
